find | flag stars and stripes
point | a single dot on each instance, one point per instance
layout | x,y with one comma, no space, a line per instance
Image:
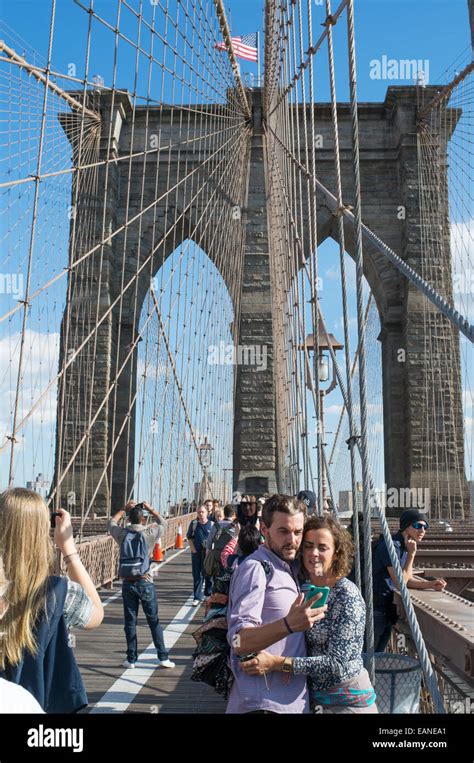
244,46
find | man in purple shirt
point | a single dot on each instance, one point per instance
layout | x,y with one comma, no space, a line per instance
267,611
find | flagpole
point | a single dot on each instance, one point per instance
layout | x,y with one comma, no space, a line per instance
259,84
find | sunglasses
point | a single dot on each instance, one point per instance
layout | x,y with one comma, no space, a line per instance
419,525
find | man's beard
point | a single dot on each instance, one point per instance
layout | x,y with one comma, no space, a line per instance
277,551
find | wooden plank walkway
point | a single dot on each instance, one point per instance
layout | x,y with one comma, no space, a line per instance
100,652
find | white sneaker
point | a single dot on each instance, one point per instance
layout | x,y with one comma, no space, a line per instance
196,602
166,664
127,664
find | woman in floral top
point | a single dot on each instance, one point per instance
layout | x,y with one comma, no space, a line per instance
337,679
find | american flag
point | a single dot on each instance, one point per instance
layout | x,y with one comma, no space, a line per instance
244,47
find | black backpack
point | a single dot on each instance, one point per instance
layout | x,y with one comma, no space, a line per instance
212,562
134,558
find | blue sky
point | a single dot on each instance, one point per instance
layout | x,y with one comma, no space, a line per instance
435,30
431,31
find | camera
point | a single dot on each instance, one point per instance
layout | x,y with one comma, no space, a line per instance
141,508
54,514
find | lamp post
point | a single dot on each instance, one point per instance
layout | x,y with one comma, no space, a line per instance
323,373
205,457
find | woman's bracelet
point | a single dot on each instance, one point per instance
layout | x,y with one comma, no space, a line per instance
68,558
287,626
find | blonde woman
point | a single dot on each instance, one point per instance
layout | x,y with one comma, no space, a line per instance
13,698
35,650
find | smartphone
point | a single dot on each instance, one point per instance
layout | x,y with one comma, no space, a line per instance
312,590
247,657
54,514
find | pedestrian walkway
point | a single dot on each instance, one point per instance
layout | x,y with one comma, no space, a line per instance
147,689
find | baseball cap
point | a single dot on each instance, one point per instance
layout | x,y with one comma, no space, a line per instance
309,498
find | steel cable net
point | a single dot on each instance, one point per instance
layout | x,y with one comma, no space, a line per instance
338,460
297,136
299,204
296,131
122,187
445,152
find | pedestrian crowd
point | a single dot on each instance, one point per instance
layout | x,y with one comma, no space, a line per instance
283,626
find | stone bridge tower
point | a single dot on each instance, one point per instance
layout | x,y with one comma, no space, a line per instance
390,180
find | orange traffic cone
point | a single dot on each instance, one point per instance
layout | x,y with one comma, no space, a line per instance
179,538
157,552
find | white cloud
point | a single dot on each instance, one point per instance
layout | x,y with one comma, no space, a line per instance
34,448
462,252
332,274
333,409
340,323
375,408
39,367
462,243
467,400
153,370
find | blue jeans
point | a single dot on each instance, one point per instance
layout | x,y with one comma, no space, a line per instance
133,593
200,578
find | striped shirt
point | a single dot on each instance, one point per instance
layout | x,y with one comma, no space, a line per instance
77,607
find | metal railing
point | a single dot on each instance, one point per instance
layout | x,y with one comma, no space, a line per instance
100,554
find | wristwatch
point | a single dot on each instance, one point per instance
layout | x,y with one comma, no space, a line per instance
287,666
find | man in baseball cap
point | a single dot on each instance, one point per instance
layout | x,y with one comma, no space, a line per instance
309,498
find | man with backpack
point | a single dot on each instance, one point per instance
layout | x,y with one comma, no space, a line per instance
136,543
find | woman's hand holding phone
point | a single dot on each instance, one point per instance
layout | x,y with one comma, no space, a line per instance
63,534
318,594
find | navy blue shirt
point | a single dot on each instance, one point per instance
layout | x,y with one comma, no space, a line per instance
51,675
382,582
201,533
